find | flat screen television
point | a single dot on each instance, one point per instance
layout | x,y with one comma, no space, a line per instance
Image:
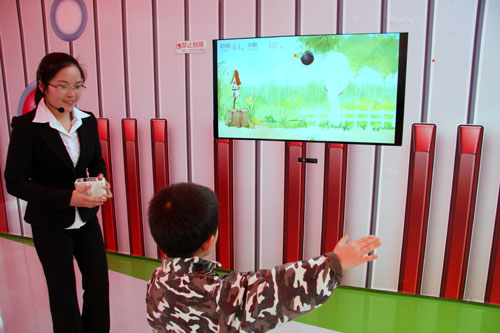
345,88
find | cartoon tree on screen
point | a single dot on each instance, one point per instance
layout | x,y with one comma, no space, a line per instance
345,56
377,52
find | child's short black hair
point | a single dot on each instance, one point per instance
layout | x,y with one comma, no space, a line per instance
182,217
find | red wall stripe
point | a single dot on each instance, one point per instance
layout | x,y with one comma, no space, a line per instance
108,209
159,144
4,227
333,195
133,186
293,242
224,190
417,207
463,200
492,294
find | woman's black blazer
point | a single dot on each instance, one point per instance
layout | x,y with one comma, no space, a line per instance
39,170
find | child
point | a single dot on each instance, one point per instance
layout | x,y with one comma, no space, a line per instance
185,294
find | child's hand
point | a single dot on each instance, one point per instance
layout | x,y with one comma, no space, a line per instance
354,253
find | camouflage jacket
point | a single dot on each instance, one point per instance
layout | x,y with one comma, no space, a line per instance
187,295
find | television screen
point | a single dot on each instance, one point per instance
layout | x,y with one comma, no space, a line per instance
326,88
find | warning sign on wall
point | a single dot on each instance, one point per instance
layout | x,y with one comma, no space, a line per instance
191,46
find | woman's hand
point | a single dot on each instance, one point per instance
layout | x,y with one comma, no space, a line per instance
79,198
355,253
107,187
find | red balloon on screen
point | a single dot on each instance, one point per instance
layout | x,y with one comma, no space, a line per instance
29,102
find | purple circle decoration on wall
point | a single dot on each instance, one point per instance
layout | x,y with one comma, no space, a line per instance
68,18
27,100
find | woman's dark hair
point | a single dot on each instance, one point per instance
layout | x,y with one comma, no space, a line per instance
48,68
182,217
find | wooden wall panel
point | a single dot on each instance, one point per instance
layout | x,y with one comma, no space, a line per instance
13,86
358,17
239,20
108,211
55,44
411,17
172,83
453,28
492,294
315,17
332,228
159,145
4,227
202,25
294,192
486,107
84,50
32,32
462,206
276,18
224,189
113,106
4,137
141,94
133,186
417,207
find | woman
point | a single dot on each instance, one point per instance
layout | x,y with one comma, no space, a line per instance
50,147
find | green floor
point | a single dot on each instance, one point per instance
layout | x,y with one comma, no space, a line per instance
352,310
361,310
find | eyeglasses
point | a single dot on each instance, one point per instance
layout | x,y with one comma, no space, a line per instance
65,88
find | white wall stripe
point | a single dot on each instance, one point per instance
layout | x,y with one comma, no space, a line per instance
486,112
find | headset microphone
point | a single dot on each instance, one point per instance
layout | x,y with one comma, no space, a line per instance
61,110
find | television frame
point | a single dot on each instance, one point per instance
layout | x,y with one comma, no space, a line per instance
400,90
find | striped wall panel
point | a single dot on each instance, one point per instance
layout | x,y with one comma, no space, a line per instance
3,215
133,186
13,83
357,17
463,200
417,207
315,172
273,18
108,209
334,195
140,93
202,24
441,62
493,284
171,83
111,85
159,145
486,113
394,161
295,176
224,189
238,19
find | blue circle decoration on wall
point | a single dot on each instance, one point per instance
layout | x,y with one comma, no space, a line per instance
68,18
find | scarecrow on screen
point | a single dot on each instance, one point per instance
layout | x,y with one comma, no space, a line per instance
236,117
235,87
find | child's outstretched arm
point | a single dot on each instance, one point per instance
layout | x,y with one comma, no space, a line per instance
355,253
